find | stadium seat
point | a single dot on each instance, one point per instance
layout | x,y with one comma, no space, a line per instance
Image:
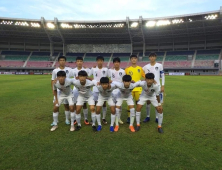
4,63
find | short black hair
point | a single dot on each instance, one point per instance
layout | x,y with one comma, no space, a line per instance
82,73
99,58
116,59
133,55
104,80
152,54
62,56
61,74
150,76
79,58
127,78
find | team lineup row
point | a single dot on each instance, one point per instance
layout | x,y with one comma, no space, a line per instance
124,85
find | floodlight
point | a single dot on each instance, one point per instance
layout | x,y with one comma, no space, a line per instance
151,23
163,22
134,24
50,25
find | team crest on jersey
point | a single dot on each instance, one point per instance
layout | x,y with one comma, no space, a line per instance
67,71
120,73
156,68
113,75
130,73
152,90
104,72
88,87
138,70
96,75
148,70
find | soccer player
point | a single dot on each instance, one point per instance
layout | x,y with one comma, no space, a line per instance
126,88
136,72
65,94
74,73
85,95
105,94
150,93
116,74
98,72
157,70
62,67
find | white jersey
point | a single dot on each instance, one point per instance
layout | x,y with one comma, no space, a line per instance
106,93
116,75
126,92
65,90
157,70
56,70
84,90
97,74
75,71
152,91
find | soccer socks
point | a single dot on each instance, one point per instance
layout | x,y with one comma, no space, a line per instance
104,112
85,112
98,117
138,114
120,112
160,119
112,119
147,110
67,113
117,116
55,118
132,116
78,119
93,116
156,114
72,117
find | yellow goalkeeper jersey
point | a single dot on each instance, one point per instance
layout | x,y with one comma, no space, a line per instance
136,73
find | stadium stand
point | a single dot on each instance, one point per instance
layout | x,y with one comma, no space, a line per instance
39,60
206,58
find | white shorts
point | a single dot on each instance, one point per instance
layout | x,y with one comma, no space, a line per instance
109,100
81,100
128,100
95,96
68,99
63,102
143,99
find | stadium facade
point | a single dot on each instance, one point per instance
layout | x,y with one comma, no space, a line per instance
186,43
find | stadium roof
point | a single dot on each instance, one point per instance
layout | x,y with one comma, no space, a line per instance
200,26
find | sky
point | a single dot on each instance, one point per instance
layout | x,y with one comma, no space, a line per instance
103,9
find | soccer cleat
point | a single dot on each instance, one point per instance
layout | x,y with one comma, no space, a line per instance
72,128
91,122
78,128
86,122
147,119
104,121
128,120
74,122
120,121
67,122
53,128
131,128
160,130
99,128
156,120
111,129
116,128
137,128
94,128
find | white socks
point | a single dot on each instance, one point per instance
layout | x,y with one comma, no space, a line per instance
78,119
138,114
160,119
147,110
98,117
132,116
55,118
67,113
104,112
117,116
93,116
85,112
113,119
73,115
156,113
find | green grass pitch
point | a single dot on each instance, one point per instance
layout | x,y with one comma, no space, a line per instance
192,127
